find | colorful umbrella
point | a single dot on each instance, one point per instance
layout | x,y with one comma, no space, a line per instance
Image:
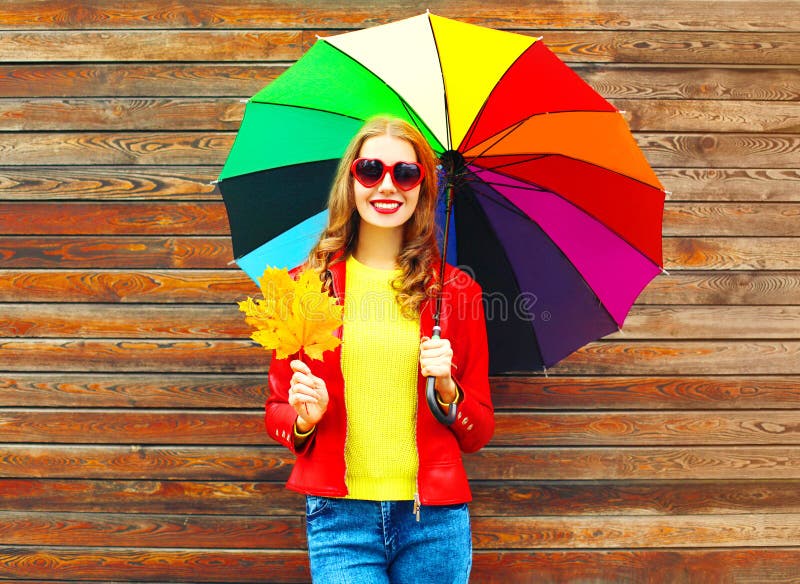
556,212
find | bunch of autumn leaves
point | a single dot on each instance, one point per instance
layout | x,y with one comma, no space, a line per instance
295,316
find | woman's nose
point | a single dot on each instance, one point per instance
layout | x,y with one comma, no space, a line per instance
386,184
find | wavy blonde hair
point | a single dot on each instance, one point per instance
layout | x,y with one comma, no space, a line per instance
419,250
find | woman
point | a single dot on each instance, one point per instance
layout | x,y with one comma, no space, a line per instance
386,489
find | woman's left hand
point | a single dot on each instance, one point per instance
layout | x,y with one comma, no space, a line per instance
436,360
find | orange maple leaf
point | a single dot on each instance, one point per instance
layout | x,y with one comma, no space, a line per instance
294,315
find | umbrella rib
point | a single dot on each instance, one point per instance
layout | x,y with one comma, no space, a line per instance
406,106
449,145
560,251
539,187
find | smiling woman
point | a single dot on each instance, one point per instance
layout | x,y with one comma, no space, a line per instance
371,457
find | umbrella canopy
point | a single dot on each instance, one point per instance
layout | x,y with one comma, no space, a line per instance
556,212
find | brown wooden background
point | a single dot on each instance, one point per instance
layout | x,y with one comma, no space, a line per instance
131,399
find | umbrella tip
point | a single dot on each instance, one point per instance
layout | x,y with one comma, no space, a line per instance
665,272
539,38
213,182
230,263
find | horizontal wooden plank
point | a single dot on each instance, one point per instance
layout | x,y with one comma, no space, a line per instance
681,392
127,183
678,115
242,391
732,253
132,427
777,565
713,184
624,14
201,286
273,463
246,498
674,531
92,390
490,498
610,428
183,148
211,218
193,79
27,183
683,358
650,115
134,356
114,218
121,114
767,151
723,288
227,322
143,45
641,428
222,286
730,219
218,356
672,47
152,531
230,79
131,252
116,252
177,565
157,531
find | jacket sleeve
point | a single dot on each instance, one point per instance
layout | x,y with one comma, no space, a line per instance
474,424
280,416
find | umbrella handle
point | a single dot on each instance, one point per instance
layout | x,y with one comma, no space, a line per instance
430,393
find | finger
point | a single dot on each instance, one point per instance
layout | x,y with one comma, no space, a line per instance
299,366
302,378
303,389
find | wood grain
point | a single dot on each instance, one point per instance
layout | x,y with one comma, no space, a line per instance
690,47
127,183
114,285
612,80
132,356
272,463
152,531
132,252
143,45
210,218
624,14
178,565
614,358
765,151
746,565
724,428
184,79
116,252
223,286
683,392
227,322
31,528
193,182
491,498
640,358
96,390
214,114
243,391
114,218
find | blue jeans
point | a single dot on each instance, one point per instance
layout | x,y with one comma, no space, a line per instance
370,542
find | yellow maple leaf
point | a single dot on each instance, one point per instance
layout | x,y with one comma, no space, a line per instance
294,315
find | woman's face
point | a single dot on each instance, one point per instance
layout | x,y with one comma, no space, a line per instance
385,205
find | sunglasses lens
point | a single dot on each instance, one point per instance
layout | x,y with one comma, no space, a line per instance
369,171
407,175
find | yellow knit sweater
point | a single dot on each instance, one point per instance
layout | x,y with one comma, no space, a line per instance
380,357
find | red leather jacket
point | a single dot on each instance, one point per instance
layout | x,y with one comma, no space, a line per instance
441,480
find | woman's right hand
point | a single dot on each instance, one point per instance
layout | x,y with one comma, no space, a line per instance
308,395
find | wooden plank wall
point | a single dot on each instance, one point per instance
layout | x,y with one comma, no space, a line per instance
131,399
